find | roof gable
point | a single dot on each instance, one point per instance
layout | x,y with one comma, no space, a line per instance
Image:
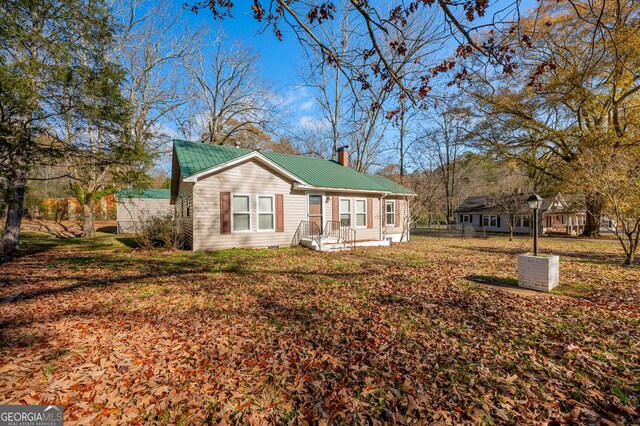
196,158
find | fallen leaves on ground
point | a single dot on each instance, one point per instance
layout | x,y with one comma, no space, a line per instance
293,336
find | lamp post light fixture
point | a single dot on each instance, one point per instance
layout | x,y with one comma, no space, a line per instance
541,273
535,202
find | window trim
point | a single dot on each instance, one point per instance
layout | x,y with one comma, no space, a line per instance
355,212
273,212
341,212
468,218
234,194
490,218
391,203
522,219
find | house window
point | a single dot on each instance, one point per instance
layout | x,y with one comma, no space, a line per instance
345,212
241,209
525,221
391,212
490,220
361,213
466,218
189,206
266,213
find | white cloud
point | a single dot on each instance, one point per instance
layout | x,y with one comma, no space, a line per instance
306,105
308,122
298,98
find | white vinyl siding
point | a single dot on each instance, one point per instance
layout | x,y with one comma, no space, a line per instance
132,213
400,217
251,178
256,179
362,234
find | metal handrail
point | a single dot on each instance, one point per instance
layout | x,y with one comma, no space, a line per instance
344,233
308,229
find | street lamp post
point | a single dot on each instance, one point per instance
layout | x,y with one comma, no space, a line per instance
534,202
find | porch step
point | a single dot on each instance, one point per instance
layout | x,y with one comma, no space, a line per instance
328,244
333,244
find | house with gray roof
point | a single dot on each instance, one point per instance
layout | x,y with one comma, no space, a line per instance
494,214
228,197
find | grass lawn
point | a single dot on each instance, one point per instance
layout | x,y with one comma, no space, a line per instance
294,336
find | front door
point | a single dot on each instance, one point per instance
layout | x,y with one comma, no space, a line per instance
315,210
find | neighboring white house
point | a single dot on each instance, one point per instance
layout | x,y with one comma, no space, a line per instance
135,207
227,197
484,212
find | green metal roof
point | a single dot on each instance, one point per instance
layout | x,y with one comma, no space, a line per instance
146,193
391,186
196,157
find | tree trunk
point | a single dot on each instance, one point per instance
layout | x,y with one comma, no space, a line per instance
88,210
15,209
630,252
629,256
594,213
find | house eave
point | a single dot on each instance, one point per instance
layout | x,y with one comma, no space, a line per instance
304,187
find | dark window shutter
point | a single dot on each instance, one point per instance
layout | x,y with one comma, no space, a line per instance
335,210
398,213
279,213
481,220
225,212
369,212
498,221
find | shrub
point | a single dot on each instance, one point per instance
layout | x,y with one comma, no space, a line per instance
160,232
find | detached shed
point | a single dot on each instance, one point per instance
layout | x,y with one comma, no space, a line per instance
135,207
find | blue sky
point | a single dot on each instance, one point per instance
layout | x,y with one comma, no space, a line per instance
278,58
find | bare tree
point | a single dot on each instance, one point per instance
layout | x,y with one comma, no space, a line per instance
425,205
235,101
153,46
443,140
358,109
330,84
150,46
379,22
509,198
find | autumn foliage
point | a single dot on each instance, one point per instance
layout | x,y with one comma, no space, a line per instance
292,336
